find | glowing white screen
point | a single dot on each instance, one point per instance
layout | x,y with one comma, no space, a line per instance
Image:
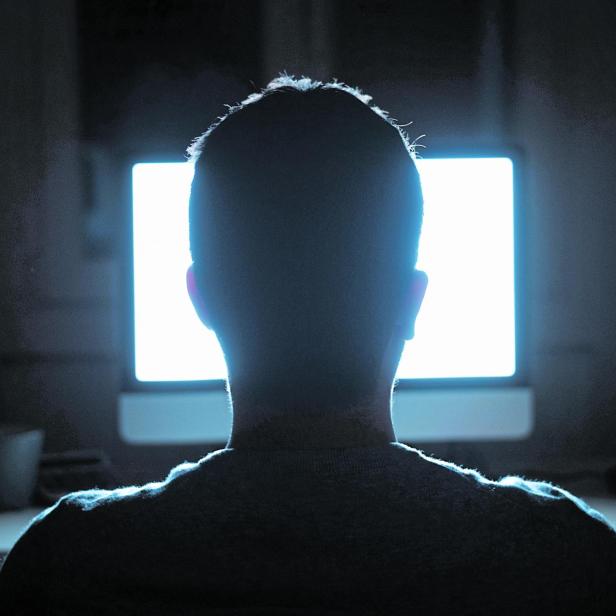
466,327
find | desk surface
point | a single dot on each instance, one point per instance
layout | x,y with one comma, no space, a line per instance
12,523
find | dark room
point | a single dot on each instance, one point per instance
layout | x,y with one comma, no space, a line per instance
308,307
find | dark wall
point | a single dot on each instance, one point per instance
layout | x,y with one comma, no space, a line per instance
90,84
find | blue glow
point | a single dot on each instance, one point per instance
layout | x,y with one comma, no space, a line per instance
466,327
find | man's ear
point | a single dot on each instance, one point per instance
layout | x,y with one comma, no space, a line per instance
196,298
415,294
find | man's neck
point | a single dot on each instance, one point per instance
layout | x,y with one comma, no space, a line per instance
287,426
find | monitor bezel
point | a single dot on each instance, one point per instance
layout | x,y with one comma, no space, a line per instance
520,378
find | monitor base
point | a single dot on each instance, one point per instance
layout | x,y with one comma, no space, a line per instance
438,415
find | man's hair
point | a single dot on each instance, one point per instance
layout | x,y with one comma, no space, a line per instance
305,214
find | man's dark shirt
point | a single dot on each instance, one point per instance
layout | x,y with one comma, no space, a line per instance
377,530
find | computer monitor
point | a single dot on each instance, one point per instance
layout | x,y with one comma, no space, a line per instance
460,378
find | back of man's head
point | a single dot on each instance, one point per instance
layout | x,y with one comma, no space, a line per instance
305,216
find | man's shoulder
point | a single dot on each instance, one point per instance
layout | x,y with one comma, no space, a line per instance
530,502
90,518
542,502
124,503
88,536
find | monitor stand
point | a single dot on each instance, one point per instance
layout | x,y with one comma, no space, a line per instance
422,415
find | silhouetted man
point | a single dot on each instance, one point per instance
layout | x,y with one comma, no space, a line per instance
305,214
